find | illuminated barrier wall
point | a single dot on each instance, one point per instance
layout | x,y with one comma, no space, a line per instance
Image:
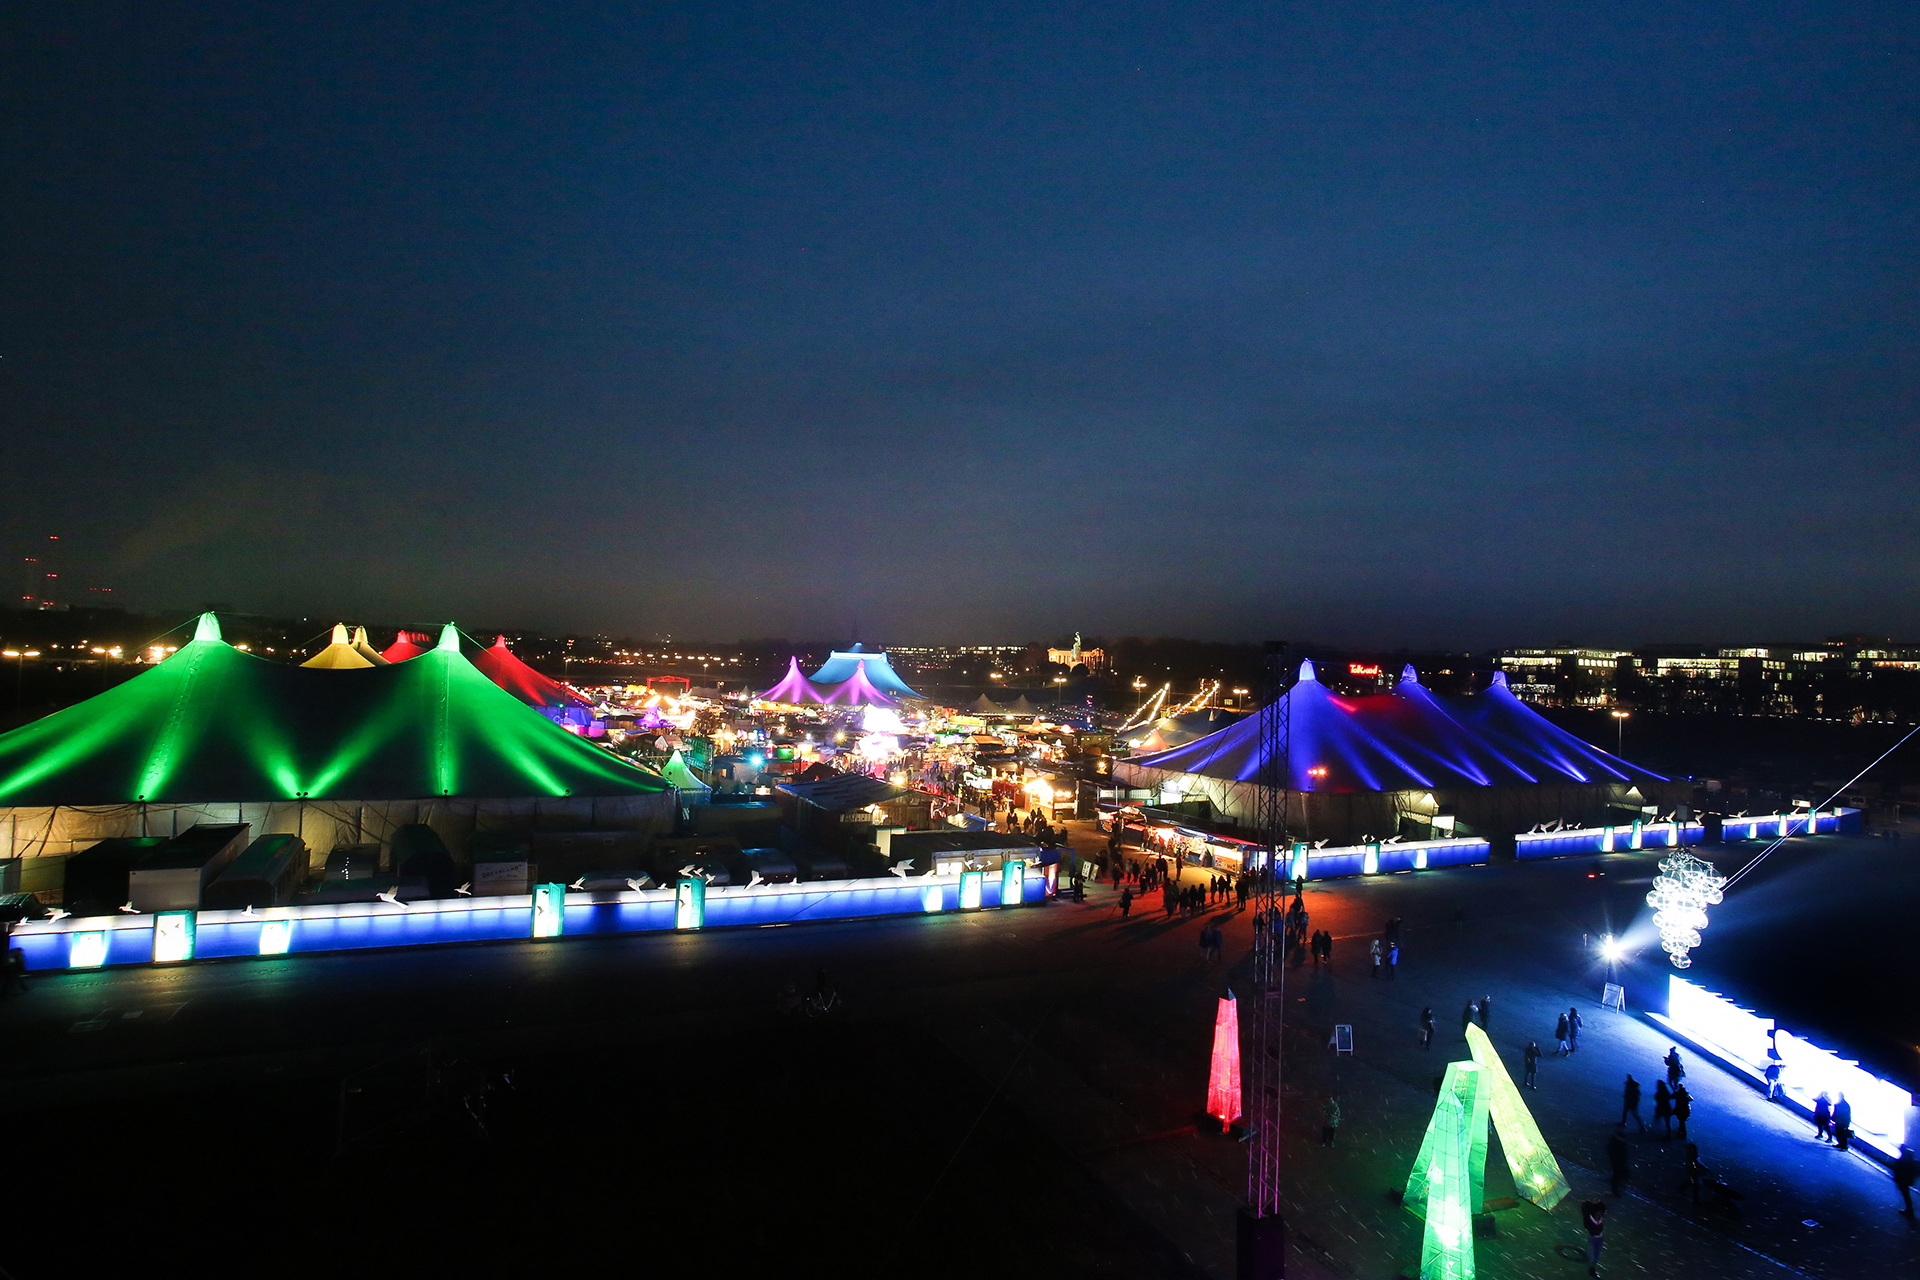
1737,1038
1417,855
88,942
1771,826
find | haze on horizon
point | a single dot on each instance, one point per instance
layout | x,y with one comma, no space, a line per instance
1385,325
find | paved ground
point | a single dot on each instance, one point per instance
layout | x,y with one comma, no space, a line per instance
1008,1091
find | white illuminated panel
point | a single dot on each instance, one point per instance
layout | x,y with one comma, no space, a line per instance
970,882
933,899
86,950
1706,1016
1371,864
1879,1107
276,937
172,937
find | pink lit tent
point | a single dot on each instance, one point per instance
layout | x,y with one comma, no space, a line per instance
794,688
857,691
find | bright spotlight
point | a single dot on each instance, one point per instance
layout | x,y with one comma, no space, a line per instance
1610,948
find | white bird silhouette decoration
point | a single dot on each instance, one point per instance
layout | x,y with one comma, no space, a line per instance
465,890
128,908
392,895
755,878
902,867
57,915
581,883
643,882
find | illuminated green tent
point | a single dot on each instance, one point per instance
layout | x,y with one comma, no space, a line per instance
214,724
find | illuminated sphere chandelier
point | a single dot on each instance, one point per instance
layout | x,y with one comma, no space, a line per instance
1682,892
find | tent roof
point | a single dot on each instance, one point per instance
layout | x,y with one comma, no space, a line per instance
985,706
366,650
214,723
1174,731
793,688
842,663
1405,740
500,665
339,655
856,691
676,772
407,644
1021,707
844,791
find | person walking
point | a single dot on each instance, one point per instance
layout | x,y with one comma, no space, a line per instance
1619,1160
1663,1107
1842,1123
1773,1079
1126,901
1903,1171
1560,1036
1532,1059
1393,959
1675,1072
1573,1030
1466,1017
1630,1104
1426,1027
1486,1013
1682,1108
1331,1128
1326,946
1823,1117
1593,1216
1374,949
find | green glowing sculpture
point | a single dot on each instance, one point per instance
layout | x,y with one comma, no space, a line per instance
1536,1174
1445,1186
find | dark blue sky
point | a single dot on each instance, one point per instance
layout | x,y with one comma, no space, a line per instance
1389,323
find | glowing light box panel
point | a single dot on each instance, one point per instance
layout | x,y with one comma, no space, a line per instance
128,939
1445,1179
690,903
549,910
173,936
1536,1174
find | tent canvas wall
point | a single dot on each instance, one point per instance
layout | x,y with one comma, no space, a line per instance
500,665
794,688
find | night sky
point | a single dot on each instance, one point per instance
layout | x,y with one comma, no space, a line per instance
1423,323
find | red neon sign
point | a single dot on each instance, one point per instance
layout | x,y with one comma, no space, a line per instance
1367,669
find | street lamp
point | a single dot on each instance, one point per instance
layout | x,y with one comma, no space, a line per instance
1619,730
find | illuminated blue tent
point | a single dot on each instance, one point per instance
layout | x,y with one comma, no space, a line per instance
1409,753
842,663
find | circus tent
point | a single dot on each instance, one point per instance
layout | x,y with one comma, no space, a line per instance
218,734
1359,765
856,691
841,664
339,655
407,644
794,688
499,665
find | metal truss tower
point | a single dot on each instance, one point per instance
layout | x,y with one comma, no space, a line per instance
1262,1231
